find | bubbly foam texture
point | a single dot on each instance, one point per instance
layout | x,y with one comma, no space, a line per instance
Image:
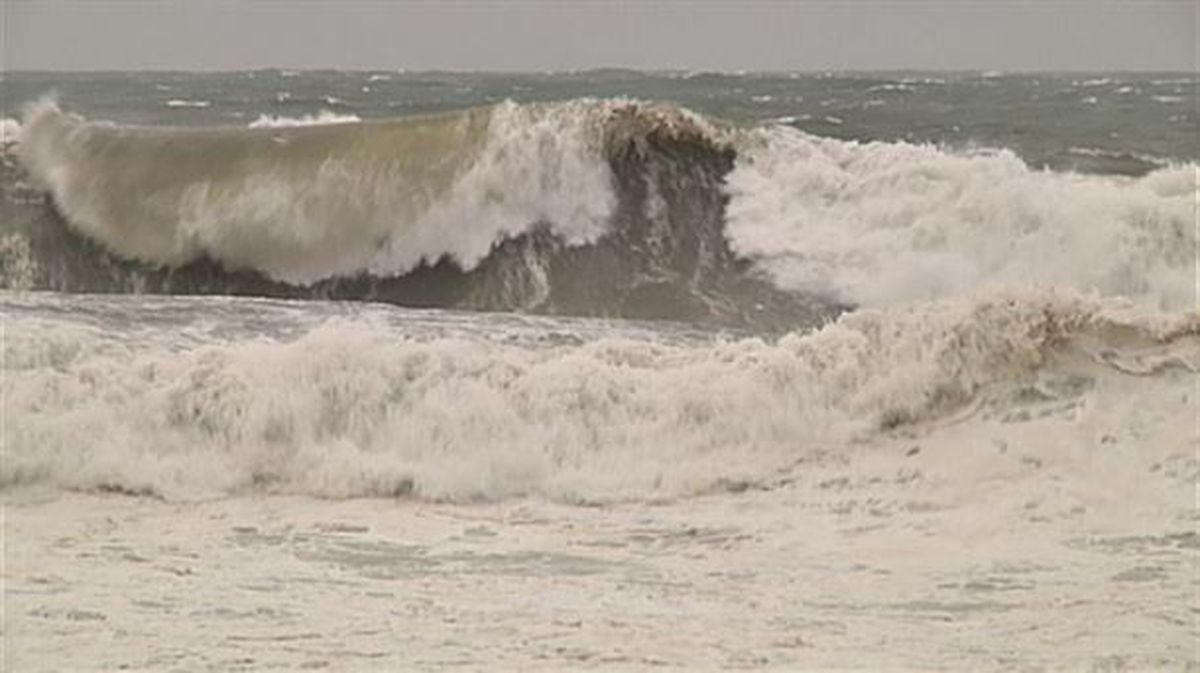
302,204
10,131
353,407
881,223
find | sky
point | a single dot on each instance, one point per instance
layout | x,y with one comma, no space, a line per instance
531,35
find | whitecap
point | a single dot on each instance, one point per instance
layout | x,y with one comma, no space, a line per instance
181,103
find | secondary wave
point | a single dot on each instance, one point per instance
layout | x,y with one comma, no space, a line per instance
882,223
155,396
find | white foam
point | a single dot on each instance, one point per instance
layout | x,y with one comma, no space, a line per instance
1111,154
354,407
540,164
881,223
10,131
176,102
322,117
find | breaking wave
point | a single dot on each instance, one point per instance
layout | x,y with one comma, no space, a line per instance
982,290
584,207
605,208
303,205
100,396
883,223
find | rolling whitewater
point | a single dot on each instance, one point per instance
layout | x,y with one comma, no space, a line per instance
830,364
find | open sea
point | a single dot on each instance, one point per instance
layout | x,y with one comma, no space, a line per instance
601,370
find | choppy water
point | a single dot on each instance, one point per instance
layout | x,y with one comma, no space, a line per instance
810,363
1089,121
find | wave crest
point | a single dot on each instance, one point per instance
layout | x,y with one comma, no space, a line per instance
302,204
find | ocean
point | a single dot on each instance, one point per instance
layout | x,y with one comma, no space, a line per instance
600,370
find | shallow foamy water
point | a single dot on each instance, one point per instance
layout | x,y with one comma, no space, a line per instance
1048,522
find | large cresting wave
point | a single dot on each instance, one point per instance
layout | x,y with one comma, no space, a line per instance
330,200
584,207
609,208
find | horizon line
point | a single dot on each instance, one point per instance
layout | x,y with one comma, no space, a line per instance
601,69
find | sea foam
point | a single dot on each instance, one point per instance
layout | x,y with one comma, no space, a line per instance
881,223
98,396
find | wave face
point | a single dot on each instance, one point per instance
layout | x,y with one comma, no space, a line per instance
586,207
203,397
329,201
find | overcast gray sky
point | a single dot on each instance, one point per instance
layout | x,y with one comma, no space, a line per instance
532,35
